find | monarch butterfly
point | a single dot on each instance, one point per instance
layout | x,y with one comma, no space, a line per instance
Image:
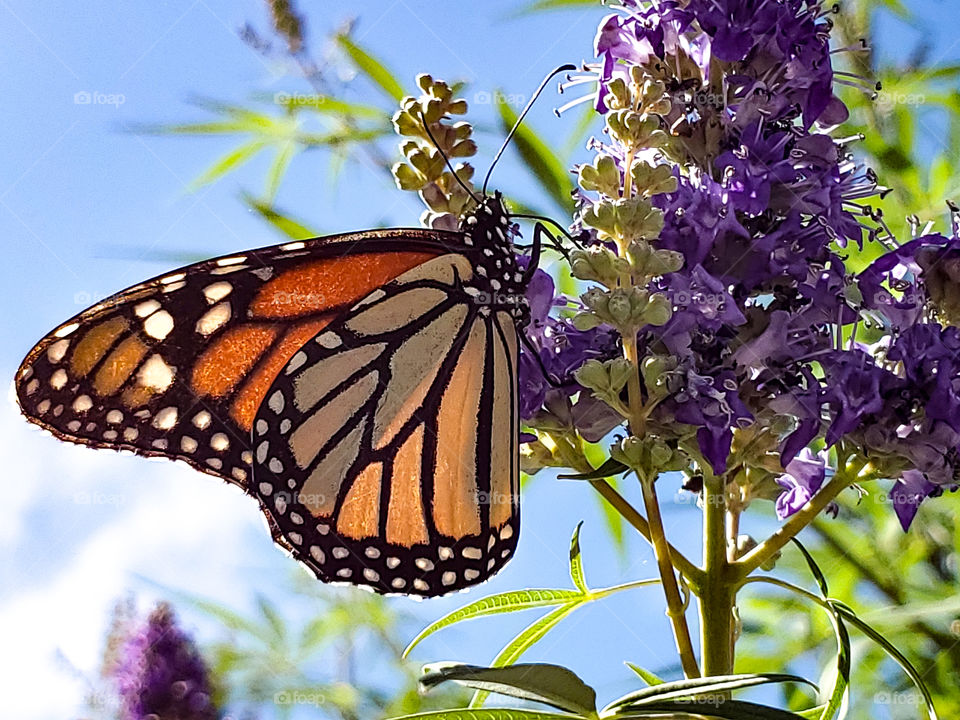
362,387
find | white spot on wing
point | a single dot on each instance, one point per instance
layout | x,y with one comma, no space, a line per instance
156,374
217,291
147,307
158,325
66,330
213,319
166,418
58,379
82,403
56,351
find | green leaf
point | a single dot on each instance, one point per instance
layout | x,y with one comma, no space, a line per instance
484,714
542,5
528,637
539,159
270,614
326,105
232,160
851,617
576,562
506,602
838,696
718,707
539,682
699,686
279,168
285,224
648,677
610,467
372,68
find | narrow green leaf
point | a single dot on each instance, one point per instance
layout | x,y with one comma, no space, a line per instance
812,713
506,602
485,714
232,160
851,617
837,701
372,68
326,105
576,561
648,677
542,5
270,614
539,159
528,637
293,229
715,707
610,467
539,682
278,169
712,686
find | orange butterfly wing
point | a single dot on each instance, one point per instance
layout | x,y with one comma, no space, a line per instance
178,365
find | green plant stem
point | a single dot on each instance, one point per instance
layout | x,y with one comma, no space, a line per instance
799,520
718,593
676,609
691,573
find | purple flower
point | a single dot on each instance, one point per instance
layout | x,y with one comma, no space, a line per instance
560,350
162,675
803,477
911,490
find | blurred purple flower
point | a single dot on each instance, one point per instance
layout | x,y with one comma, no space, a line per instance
161,675
803,477
911,490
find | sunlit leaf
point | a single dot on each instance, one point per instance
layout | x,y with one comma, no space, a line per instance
511,601
232,160
372,68
699,686
528,637
549,170
648,677
279,168
576,561
293,229
539,682
485,714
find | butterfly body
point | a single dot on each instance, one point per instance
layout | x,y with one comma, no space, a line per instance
362,387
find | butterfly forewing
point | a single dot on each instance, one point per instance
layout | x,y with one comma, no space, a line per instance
177,366
385,452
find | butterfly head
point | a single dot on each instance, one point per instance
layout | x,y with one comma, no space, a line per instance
488,229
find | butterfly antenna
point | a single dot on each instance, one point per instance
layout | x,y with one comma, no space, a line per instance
426,126
516,125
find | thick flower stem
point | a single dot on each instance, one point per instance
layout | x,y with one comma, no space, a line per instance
797,522
675,605
690,572
717,594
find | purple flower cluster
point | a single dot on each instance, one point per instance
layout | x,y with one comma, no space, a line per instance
763,306
160,673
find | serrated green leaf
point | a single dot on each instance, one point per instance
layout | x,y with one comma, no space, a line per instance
714,686
648,677
576,561
232,160
506,602
537,156
372,68
552,685
527,637
485,714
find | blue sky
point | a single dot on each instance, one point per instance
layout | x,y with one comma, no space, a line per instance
88,207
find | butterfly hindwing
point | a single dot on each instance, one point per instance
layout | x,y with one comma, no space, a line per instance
177,366
385,453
